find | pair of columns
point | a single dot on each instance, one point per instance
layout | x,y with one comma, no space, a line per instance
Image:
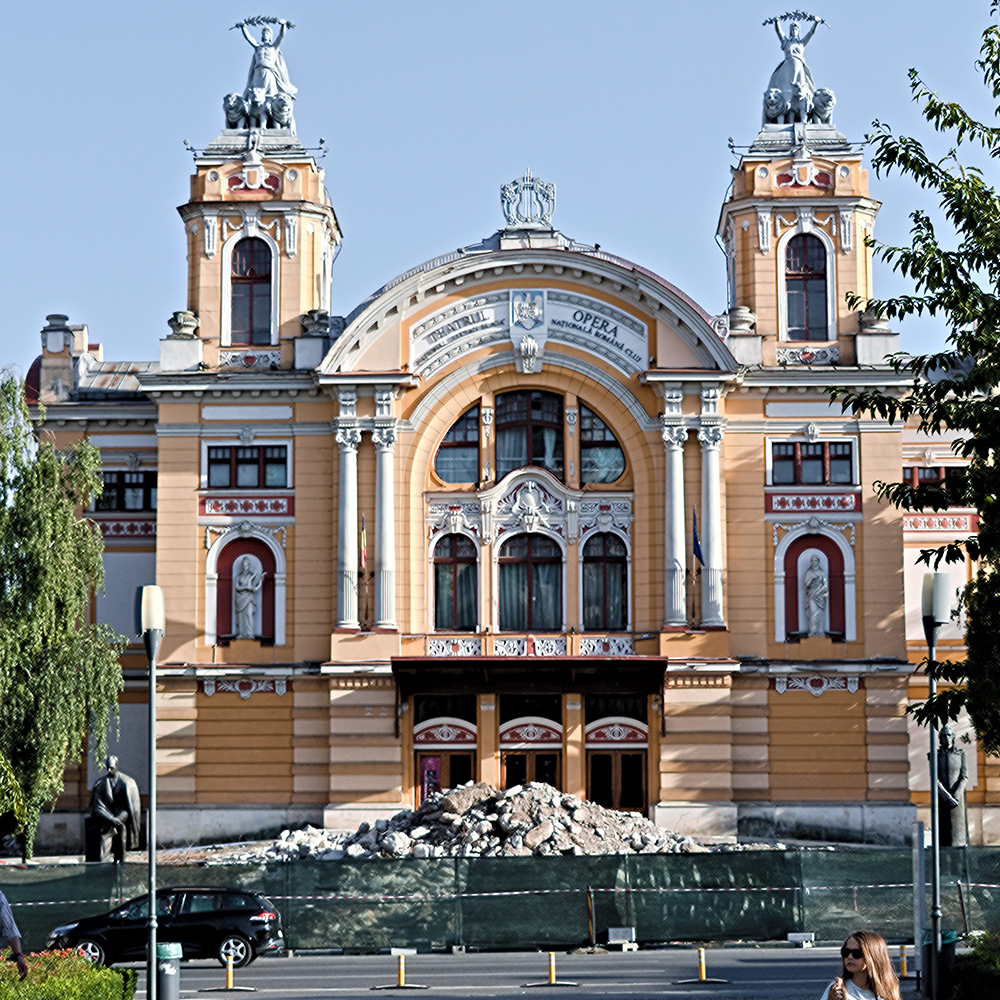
710,522
348,437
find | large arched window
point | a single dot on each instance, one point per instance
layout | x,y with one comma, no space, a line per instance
250,321
805,288
529,431
530,578
455,589
601,457
605,583
457,459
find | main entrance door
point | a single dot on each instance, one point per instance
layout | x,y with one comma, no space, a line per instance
617,778
518,767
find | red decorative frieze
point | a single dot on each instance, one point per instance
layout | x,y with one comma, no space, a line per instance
530,731
941,522
812,503
233,506
616,730
444,731
131,527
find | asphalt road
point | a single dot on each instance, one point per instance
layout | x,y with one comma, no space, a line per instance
750,974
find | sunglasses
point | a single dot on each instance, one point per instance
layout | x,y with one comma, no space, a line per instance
853,952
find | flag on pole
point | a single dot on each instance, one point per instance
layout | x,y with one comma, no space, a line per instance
697,541
363,545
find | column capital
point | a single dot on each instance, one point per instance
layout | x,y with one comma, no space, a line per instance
674,435
348,436
384,437
710,436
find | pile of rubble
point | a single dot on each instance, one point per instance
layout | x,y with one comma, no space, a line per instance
478,820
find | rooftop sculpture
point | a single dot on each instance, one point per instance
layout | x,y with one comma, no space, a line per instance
267,100
791,94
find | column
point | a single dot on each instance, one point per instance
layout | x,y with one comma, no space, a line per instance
675,561
384,438
710,437
348,437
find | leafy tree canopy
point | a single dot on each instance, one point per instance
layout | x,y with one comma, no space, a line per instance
59,674
956,390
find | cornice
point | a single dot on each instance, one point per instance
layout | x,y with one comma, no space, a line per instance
198,209
180,384
231,429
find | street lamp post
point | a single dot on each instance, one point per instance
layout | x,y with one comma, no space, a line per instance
935,606
152,620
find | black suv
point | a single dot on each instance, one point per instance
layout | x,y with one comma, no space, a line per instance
207,923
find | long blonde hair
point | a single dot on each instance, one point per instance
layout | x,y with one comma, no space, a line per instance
882,979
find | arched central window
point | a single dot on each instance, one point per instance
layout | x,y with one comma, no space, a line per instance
530,573
457,459
604,583
601,457
251,292
455,584
529,431
805,288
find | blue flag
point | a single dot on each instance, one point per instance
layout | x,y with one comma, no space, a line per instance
697,541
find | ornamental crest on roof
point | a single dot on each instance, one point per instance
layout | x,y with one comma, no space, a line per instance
528,202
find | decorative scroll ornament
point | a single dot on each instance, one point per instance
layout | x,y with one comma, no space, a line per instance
445,731
606,515
454,647
244,686
211,235
809,355
816,685
246,529
454,517
528,202
814,525
530,731
616,730
606,645
250,359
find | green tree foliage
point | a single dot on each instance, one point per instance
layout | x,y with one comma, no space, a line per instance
59,674
955,278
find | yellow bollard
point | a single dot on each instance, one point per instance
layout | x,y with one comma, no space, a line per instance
552,968
701,965
401,971
902,961
229,972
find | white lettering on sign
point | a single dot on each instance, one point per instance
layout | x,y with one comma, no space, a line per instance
566,317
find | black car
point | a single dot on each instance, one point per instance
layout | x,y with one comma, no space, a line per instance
207,923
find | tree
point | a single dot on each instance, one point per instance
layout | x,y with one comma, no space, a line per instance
59,674
956,389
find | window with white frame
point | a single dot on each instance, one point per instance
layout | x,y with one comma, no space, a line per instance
812,463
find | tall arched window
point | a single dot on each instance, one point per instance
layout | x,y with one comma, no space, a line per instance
601,457
457,459
805,288
251,292
605,583
530,575
529,431
455,584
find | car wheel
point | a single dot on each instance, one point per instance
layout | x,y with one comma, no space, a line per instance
91,951
237,946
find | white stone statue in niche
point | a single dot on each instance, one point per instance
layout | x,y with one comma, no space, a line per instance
816,589
247,586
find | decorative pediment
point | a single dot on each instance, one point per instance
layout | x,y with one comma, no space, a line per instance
444,731
615,730
531,731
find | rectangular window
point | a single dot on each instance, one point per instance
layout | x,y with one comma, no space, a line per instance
813,463
248,468
133,491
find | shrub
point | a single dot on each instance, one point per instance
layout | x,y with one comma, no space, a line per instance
977,973
65,975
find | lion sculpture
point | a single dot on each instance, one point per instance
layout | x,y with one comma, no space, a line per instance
236,110
822,107
281,112
775,107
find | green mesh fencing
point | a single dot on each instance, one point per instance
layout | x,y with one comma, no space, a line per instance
548,902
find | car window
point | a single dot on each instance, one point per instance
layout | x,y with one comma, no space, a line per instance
239,901
139,910
200,902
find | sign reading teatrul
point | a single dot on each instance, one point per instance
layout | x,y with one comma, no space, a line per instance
549,315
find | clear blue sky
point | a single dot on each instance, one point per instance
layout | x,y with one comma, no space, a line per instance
427,107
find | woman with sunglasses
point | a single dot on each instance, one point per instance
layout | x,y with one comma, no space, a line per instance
866,970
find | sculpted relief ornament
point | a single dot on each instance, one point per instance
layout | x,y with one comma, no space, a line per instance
528,202
267,100
791,94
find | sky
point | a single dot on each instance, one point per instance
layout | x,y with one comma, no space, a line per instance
426,108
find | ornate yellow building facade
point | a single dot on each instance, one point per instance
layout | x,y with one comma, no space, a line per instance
527,513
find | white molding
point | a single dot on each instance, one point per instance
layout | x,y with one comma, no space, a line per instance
226,283
259,441
261,534
805,224
850,596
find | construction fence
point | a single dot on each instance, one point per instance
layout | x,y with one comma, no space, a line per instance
548,902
